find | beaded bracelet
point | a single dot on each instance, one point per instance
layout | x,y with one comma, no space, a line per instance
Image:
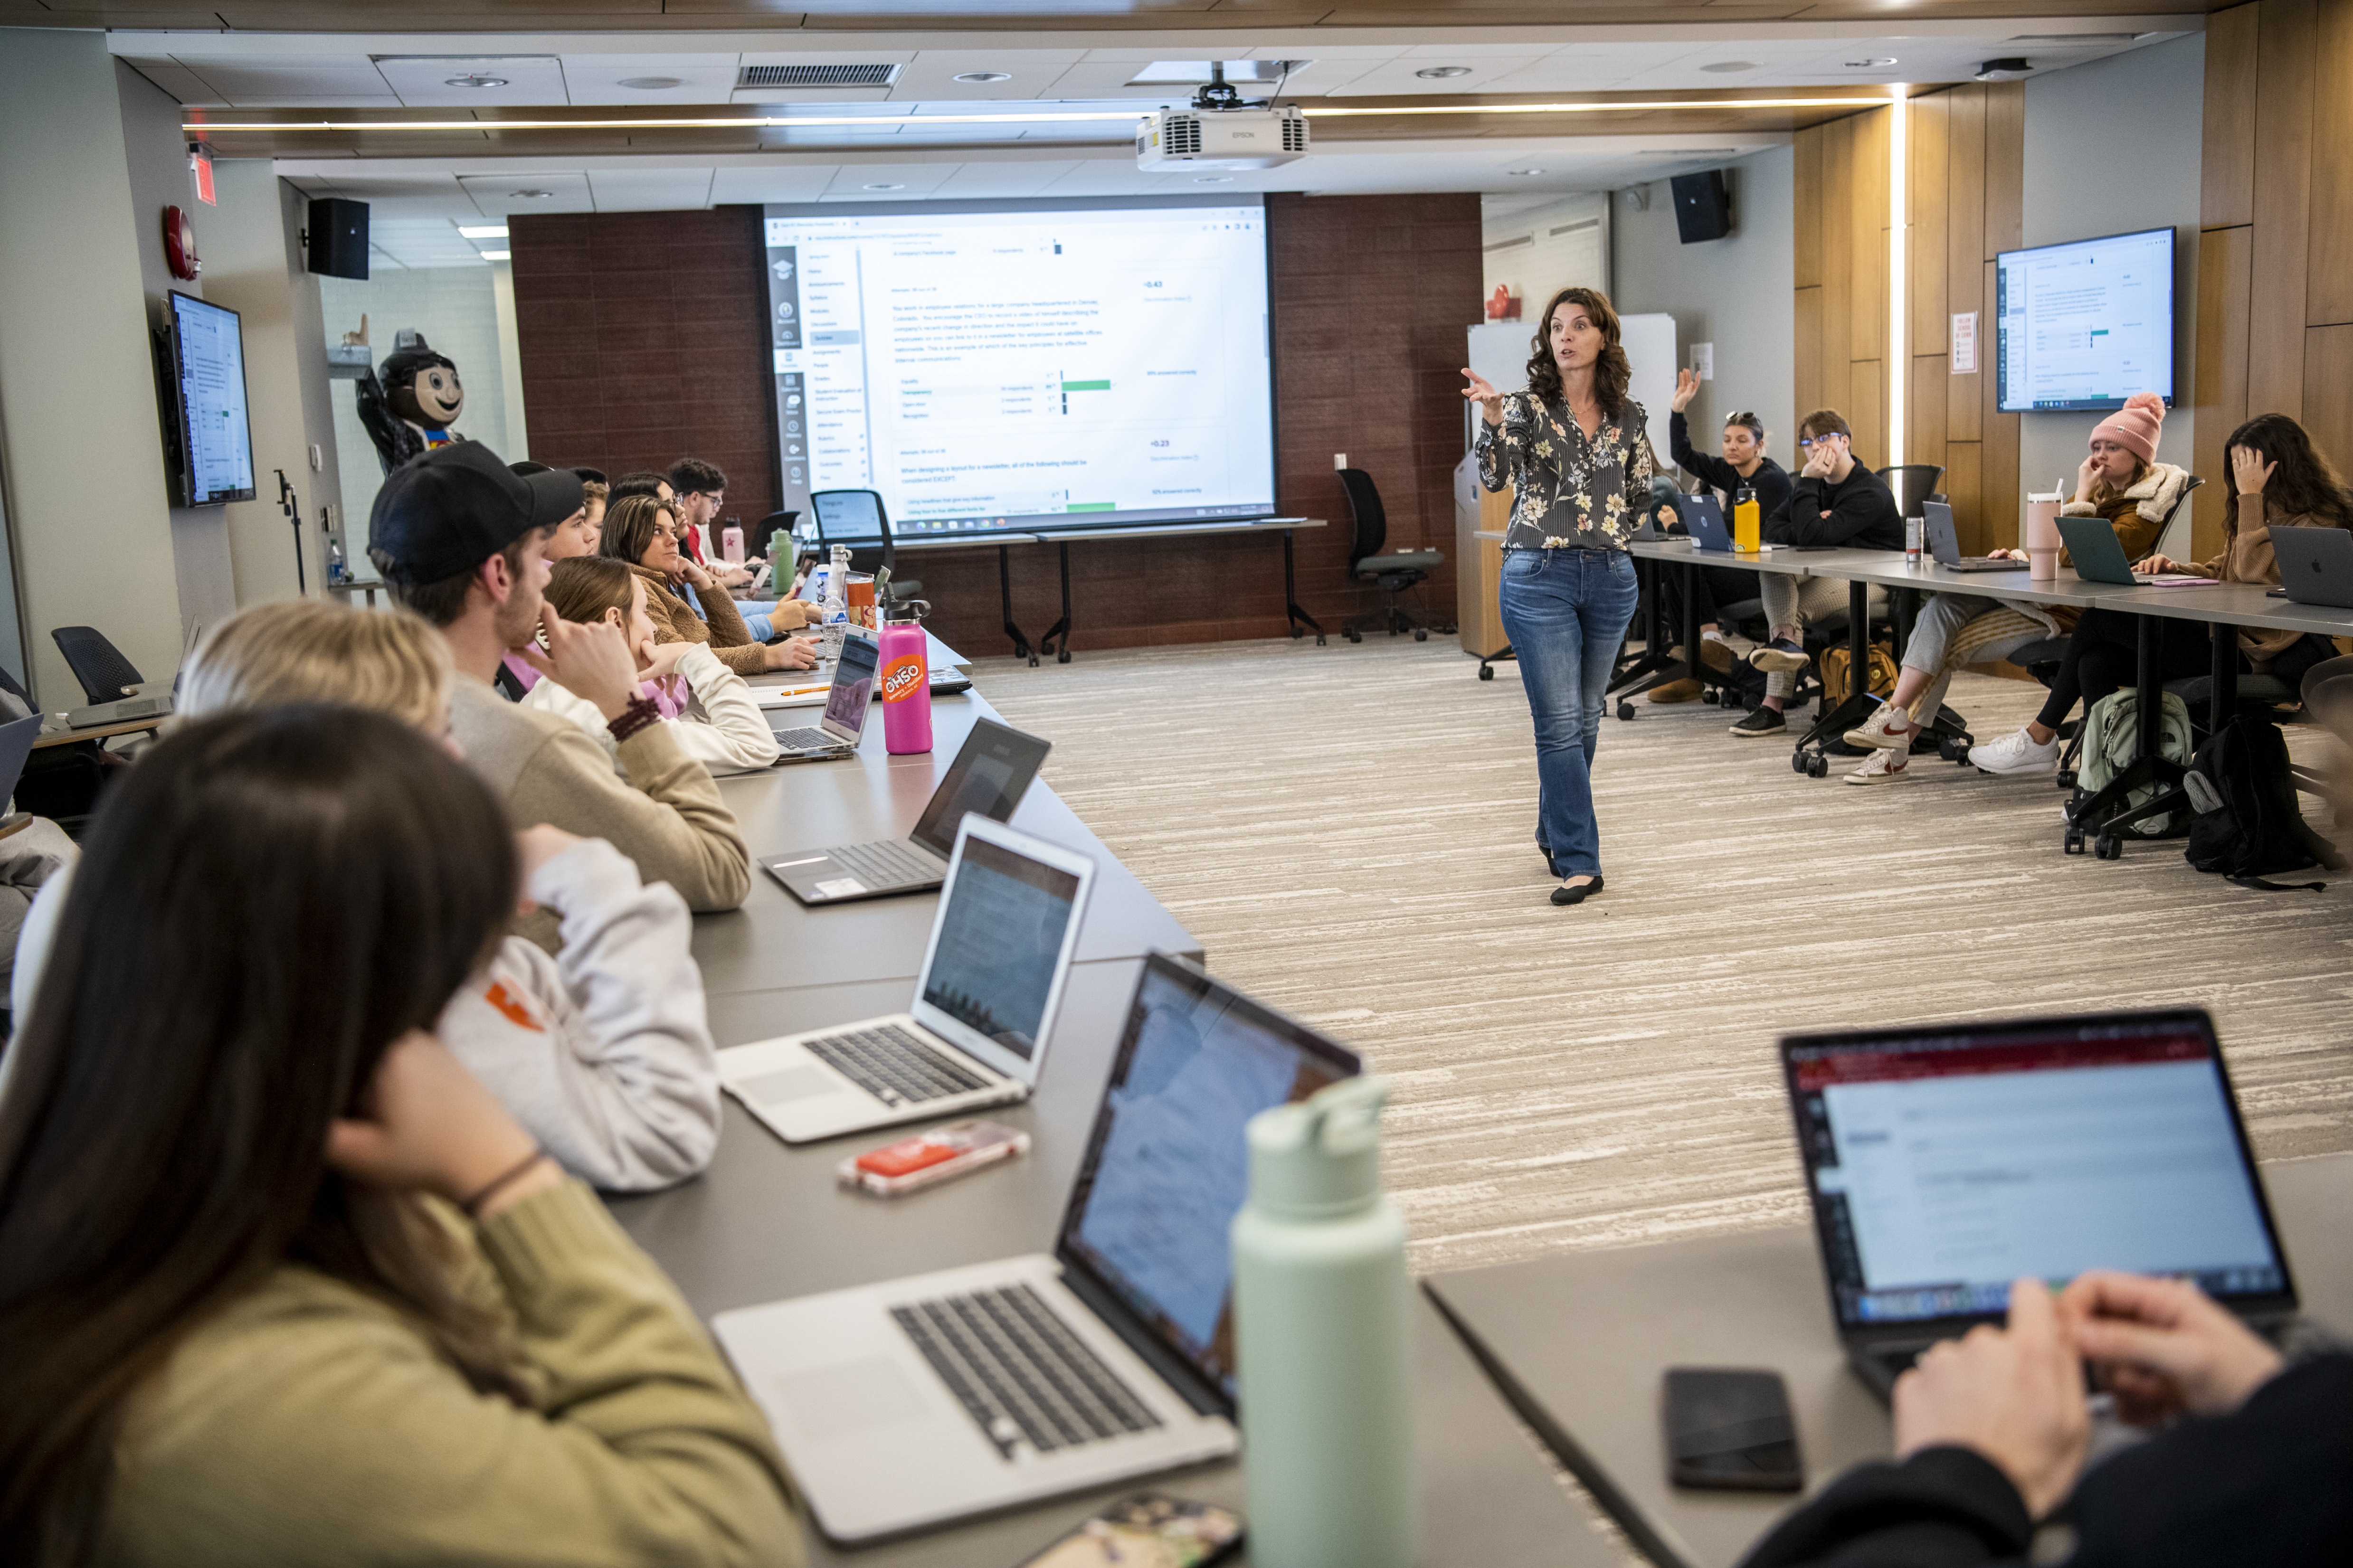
637,715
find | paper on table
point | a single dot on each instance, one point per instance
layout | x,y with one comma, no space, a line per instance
2173,580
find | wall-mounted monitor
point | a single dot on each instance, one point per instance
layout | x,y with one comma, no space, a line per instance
1014,367
208,436
2085,325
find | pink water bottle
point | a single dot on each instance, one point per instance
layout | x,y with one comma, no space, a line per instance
906,677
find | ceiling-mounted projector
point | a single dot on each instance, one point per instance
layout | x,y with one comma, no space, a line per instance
1218,130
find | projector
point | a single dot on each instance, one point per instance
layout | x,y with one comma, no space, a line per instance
1242,138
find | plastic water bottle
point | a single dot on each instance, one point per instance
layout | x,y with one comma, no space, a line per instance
834,618
906,677
1323,1330
339,571
1911,527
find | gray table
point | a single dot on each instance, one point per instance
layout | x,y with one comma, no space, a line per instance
1580,1342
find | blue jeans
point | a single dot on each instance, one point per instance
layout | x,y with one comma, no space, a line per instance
1566,612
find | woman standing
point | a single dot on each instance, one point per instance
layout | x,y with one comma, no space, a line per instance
1573,448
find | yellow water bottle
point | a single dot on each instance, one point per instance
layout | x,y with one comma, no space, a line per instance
1746,526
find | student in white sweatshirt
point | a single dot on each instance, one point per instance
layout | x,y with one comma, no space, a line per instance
719,722
602,1052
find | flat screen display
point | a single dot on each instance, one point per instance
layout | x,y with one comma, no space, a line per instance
1011,367
1002,923
213,428
2085,325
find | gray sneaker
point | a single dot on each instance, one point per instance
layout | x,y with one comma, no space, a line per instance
1761,721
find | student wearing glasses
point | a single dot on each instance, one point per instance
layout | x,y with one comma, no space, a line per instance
1572,449
1744,463
701,490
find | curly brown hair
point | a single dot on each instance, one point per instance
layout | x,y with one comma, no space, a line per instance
1611,373
2306,483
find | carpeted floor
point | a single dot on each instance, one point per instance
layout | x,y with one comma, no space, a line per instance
1348,830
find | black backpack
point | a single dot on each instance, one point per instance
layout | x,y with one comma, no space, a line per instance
2249,823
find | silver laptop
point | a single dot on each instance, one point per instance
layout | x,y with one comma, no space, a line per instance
1946,1162
846,703
990,774
929,1399
985,1002
1944,543
2315,565
2098,556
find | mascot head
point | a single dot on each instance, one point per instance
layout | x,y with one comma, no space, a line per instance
421,385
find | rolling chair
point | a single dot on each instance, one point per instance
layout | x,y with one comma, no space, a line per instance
1913,483
105,675
1392,574
857,519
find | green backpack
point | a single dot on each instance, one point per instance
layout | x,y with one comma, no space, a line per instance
2111,743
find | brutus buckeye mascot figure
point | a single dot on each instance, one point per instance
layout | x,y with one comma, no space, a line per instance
410,403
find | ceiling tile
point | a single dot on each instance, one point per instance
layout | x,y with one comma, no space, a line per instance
650,190
531,79
598,78
771,183
494,195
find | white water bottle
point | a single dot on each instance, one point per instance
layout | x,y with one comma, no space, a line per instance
1911,527
835,619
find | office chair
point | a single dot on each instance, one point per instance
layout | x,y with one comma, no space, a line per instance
857,519
105,675
1393,574
1912,483
765,529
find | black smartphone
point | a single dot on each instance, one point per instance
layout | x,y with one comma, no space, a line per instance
1147,1530
1729,1429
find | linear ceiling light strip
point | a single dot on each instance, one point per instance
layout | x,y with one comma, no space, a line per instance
1899,362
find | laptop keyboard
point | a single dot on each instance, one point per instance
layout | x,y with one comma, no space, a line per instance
886,862
892,1065
809,740
1020,1372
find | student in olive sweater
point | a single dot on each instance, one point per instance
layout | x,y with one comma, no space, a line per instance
310,1294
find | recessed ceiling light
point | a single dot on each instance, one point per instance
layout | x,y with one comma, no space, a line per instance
886,186
529,195
1523,171
984,76
1725,67
1442,73
498,255
483,231
1213,179
1870,65
476,81
649,83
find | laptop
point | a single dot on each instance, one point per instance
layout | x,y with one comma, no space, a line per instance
985,1002
2315,565
1943,1163
928,1399
2098,557
989,775
1703,516
1944,543
847,703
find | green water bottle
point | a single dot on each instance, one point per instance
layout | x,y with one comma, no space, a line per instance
1324,1330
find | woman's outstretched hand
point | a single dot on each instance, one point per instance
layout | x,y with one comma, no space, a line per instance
1490,401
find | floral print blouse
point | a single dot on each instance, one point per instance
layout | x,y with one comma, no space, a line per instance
1573,491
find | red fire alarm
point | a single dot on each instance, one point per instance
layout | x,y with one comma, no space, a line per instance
180,245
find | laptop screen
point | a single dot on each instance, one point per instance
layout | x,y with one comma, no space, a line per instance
1166,1168
853,685
1944,1164
989,775
1001,925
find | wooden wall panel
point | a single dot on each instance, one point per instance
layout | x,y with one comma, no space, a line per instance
1924,409
1806,156
2328,293
1866,410
1868,192
1965,482
2004,502
2282,189
1965,248
2005,165
2225,273
1928,179
1805,369
2329,389
1839,174
2227,179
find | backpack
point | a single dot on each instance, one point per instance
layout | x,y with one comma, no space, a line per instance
1837,681
2112,743
2249,823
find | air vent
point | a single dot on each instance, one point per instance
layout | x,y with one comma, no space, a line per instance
1182,137
816,76
1294,135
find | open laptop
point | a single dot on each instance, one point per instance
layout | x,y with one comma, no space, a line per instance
1703,516
985,1001
989,775
2098,557
1946,1162
846,703
1944,543
2315,565
928,1399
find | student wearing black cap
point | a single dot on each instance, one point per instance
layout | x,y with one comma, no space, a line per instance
462,541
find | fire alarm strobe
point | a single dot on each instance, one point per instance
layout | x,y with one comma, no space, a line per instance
1218,130
180,245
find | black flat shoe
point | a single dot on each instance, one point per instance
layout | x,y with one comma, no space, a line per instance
1564,894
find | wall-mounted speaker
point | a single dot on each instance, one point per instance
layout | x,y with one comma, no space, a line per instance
1702,206
339,239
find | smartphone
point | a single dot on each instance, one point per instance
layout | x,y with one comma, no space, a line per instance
1147,1530
1729,1429
930,1158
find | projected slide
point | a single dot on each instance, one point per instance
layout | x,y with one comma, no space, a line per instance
2085,326
1012,370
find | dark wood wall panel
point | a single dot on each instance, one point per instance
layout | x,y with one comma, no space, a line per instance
2275,309
633,325
2226,188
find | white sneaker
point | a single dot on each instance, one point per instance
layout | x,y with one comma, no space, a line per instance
2015,754
1889,728
1882,767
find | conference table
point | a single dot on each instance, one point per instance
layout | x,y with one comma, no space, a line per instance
768,1221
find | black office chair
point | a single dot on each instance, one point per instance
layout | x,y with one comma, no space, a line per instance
1392,574
859,518
105,675
1912,484
765,529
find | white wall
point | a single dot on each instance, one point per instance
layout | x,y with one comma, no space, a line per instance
1737,292
2111,147
1537,251
84,453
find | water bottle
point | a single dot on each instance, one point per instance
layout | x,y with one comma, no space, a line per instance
1911,527
1323,1330
1748,524
906,677
835,615
339,571
731,542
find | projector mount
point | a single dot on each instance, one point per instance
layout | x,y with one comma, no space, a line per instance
1218,93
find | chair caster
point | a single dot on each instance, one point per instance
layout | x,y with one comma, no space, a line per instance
1486,672
2108,846
1708,696
1625,712
1063,656
1951,750
1419,634
1319,639
1353,636
2074,843
1818,766
2066,778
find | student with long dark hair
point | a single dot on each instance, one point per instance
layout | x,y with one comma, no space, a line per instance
643,533
280,1281
1573,448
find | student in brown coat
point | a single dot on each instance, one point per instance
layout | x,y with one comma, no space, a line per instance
643,532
